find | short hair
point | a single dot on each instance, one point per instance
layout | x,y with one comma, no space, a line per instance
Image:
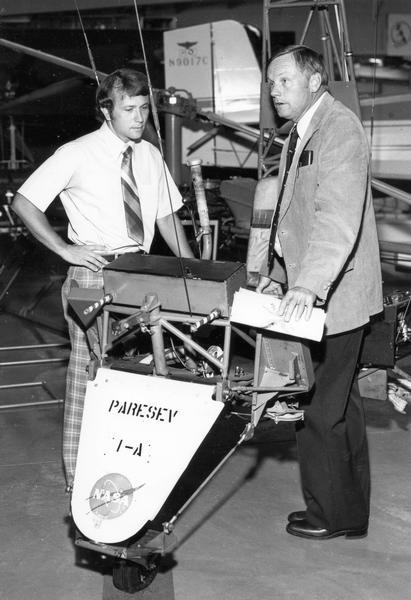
127,81
307,60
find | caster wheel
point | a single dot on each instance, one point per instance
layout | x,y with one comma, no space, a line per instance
132,577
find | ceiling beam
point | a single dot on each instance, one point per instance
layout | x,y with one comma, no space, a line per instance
11,8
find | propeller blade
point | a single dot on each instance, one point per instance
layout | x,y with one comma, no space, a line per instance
55,89
61,62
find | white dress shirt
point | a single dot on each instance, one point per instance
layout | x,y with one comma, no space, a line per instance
86,174
304,121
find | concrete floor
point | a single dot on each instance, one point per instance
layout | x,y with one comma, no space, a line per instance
232,540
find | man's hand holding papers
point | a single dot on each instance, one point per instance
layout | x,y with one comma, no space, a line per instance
262,311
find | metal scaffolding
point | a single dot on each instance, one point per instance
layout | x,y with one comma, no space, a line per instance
337,54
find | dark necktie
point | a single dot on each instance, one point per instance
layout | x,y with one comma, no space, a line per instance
131,200
274,224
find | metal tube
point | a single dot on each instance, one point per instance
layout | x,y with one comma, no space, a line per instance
341,42
294,3
104,333
240,127
389,99
38,361
13,161
157,340
226,354
307,25
266,51
202,208
12,386
347,45
172,132
178,318
191,343
25,404
334,47
34,346
169,526
325,39
390,190
244,336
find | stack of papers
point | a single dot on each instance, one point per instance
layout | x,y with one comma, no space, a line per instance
261,311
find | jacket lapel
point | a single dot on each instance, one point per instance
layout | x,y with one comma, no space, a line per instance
314,124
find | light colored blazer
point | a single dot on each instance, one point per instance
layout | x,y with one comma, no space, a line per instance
327,224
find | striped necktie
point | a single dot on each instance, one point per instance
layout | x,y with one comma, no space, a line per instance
292,144
131,200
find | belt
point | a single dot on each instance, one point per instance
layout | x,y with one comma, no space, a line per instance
114,256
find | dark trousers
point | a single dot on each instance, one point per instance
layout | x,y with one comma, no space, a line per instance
331,441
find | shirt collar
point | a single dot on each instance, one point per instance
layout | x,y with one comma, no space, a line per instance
115,144
303,123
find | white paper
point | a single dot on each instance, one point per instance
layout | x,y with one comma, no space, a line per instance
261,310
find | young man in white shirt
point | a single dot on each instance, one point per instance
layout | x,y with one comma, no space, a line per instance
87,175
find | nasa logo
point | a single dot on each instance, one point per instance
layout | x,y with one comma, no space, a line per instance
111,496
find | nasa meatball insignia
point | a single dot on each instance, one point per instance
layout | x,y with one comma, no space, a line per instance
111,496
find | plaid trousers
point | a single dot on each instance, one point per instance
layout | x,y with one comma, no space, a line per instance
77,376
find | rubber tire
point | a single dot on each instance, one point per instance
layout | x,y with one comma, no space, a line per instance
132,577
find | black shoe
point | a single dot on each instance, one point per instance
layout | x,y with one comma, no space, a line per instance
306,530
297,515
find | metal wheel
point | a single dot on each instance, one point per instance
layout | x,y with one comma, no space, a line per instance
132,577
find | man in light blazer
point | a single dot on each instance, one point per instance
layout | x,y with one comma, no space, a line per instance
326,254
